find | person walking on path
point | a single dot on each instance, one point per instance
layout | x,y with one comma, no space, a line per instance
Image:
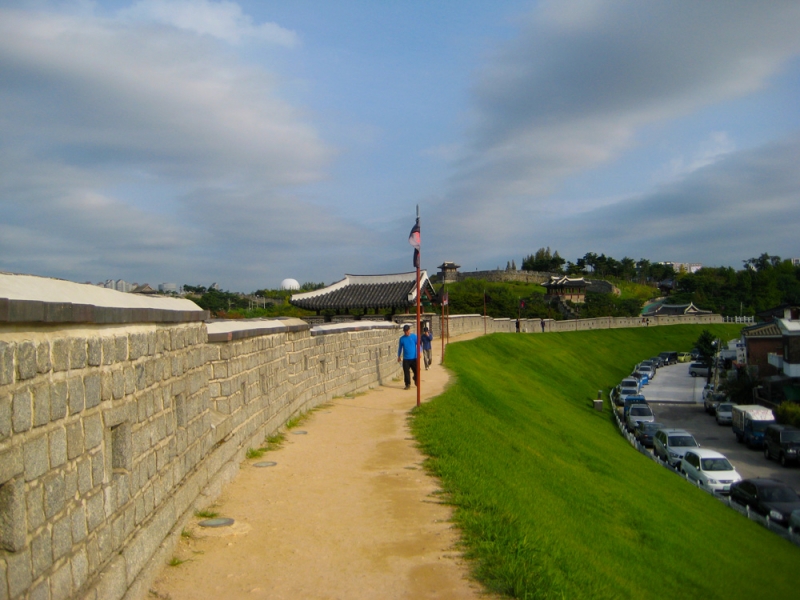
407,349
427,338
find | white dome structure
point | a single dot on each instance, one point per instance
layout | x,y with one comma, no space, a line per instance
290,284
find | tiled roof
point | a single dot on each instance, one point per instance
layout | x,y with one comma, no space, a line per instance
367,291
676,309
562,282
762,330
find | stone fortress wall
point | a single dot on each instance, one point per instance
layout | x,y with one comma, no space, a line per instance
116,425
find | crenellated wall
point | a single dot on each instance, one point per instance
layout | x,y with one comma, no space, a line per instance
111,436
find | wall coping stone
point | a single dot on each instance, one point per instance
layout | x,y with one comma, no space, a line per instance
352,326
238,329
30,299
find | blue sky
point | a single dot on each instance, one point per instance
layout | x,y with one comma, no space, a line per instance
194,141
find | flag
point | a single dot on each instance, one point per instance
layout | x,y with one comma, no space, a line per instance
445,298
522,303
415,240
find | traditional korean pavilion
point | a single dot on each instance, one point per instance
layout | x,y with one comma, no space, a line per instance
397,292
566,288
665,310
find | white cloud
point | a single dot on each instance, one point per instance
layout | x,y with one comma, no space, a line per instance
222,20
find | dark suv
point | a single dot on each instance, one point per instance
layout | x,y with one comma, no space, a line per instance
782,442
767,497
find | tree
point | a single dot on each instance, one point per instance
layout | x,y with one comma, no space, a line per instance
707,347
543,260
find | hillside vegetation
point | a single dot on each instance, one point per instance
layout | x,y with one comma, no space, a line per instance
553,502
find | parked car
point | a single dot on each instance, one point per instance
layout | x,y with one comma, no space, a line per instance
710,469
669,358
710,402
630,382
684,357
698,369
768,497
647,371
794,521
636,413
644,432
631,401
624,392
649,363
657,361
724,412
644,378
782,442
671,444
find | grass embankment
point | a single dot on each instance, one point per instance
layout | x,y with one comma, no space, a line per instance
553,502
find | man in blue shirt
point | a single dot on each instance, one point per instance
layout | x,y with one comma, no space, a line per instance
407,349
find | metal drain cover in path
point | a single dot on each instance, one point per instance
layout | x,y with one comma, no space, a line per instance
265,463
299,433
219,522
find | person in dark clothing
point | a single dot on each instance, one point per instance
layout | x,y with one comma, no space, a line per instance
407,353
427,338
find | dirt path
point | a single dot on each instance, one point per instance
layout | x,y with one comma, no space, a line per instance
346,513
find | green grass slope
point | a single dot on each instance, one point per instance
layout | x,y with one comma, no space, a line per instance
553,502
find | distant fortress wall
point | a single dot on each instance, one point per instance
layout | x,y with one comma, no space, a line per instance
116,425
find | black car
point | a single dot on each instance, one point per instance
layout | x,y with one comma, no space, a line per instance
644,432
768,497
782,442
669,358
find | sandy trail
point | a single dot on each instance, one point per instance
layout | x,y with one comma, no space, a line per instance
347,512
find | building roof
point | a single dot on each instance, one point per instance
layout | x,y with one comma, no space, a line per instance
761,330
564,282
449,265
397,290
676,309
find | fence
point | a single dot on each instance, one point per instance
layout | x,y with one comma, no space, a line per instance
738,319
785,533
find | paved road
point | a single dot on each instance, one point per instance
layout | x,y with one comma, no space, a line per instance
676,399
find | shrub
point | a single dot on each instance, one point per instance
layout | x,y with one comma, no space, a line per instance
788,413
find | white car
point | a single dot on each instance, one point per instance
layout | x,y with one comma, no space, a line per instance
710,469
638,412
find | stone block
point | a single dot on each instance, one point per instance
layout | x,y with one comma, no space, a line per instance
80,568
120,348
84,468
54,494
36,457
78,523
11,463
76,395
112,583
94,352
6,363
12,515
59,355
140,381
92,389
95,511
20,576
43,364
117,384
58,447
41,553
61,583
58,400
62,537
77,353
109,350
34,502
41,404
93,430
22,411
98,469
129,375
26,360
5,416
147,541
71,483
74,440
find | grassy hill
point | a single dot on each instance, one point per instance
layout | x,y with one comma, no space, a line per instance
552,502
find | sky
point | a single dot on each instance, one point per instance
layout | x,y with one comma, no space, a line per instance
201,141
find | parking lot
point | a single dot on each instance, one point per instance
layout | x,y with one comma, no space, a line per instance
676,400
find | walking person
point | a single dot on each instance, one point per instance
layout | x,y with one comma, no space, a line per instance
407,352
427,338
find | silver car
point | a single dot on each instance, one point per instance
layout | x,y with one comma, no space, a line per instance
724,412
636,413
